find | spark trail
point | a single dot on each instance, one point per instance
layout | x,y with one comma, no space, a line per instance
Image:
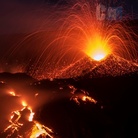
81,34
76,33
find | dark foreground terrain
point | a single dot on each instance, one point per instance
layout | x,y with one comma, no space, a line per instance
113,116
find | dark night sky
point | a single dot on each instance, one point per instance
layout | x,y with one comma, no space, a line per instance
29,15
22,16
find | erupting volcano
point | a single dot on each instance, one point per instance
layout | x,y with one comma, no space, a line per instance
78,81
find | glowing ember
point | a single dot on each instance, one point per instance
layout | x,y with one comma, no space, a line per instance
12,93
31,116
88,98
24,104
85,98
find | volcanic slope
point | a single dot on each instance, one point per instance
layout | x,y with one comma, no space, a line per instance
110,66
78,68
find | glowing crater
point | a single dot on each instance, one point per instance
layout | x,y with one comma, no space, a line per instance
97,48
98,55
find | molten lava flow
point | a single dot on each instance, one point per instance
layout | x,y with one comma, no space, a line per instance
23,120
82,96
88,98
40,130
97,49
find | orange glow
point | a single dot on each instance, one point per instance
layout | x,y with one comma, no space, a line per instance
97,48
31,115
40,130
17,121
12,93
87,98
24,104
84,98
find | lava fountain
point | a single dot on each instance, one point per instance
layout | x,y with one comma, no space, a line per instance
83,32
96,49
77,33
